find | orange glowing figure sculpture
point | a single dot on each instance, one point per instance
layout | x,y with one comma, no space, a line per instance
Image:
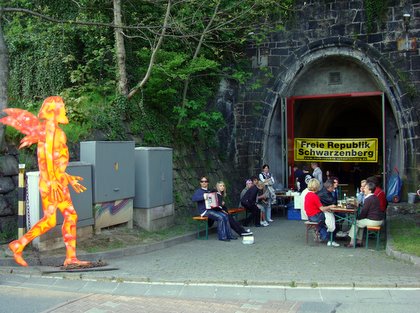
53,157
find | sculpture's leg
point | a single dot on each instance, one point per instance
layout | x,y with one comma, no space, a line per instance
42,226
17,247
69,233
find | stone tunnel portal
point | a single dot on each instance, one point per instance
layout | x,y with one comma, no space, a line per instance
334,97
338,116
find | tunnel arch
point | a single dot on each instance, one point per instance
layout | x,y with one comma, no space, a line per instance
378,75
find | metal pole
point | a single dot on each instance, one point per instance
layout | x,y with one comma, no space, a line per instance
21,201
383,143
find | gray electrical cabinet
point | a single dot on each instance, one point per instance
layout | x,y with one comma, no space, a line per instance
154,177
82,202
112,168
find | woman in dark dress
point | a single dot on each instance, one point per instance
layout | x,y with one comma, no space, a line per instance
238,228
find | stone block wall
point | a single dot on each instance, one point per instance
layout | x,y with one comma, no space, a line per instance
8,194
343,26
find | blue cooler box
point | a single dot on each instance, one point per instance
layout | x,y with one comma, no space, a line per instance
292,214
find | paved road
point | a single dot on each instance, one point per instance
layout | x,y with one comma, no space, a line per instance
19,294
279,272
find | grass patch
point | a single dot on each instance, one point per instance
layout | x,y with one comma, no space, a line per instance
405,232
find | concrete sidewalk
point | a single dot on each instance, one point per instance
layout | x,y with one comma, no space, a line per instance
279,257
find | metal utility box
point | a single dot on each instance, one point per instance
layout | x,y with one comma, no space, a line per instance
154,177
82,203
112,168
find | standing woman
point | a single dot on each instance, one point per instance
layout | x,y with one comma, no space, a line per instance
268,180
263,204
224,232
238,228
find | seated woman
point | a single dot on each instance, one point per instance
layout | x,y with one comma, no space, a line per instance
224,232
316,211
221,193
370,215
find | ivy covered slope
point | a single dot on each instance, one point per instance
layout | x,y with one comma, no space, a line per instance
137,70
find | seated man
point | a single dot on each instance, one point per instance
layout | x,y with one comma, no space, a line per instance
327,197
371,215
379,193
248,184
326,193
361,195
249,202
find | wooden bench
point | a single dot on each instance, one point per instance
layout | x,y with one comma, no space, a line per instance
236,211
373,230
312,226
202,220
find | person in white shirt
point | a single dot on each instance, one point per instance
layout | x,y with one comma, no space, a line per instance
361,194
317,173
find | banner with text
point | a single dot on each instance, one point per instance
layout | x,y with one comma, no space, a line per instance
336,150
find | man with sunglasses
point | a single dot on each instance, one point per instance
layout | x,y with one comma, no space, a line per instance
224,231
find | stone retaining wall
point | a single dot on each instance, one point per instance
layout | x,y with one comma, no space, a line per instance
8,194
334,27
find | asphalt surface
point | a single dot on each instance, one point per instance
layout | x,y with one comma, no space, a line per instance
278,273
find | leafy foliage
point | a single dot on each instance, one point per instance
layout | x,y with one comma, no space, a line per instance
375,13
205,42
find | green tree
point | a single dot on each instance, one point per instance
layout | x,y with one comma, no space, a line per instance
158,62
4,59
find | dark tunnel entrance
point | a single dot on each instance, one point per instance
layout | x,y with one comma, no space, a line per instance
351,116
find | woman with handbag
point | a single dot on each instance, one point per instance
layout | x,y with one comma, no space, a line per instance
268,180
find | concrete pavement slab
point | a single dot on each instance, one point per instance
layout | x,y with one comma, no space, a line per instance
110,304
279,257
164,291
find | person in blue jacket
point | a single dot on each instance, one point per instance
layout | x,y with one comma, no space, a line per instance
224,231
